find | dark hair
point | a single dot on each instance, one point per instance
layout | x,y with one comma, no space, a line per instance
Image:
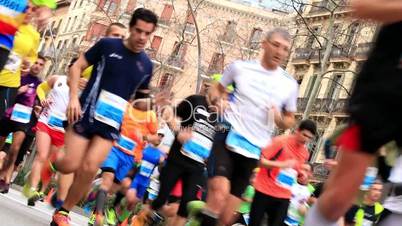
308,125
145,15
72,61
40,56
117,24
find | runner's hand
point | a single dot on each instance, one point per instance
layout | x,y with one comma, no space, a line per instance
82,83
23,89
184,135
291,163
73,110
45,103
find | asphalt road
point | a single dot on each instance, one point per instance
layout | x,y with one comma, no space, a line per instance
15,212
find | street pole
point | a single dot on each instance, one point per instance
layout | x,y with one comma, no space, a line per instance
324,67
199,71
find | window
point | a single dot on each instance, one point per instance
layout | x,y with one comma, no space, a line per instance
352,31
73,24
176,59
67,25
166,81
230,32
310,86
112,8
155,44
216,64
255,38
333,87
166,14
311,38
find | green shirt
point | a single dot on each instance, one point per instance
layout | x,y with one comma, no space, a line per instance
248,194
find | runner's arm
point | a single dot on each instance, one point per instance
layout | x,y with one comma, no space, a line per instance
387,11
286,120
43,89
74,75
269,164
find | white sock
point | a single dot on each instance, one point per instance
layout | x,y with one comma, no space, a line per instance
315,218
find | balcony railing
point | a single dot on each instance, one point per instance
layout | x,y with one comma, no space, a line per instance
164,22
175,61
339,52
362,49
323,105
151,53
302,54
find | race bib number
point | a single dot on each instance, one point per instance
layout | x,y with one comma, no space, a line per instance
286,178
21,113
126,143
110,109
13,63
56,120
237,143
197,148
146,168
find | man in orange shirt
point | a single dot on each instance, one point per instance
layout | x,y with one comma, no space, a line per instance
280,164
137,128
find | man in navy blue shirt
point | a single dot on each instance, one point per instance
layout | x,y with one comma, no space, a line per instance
121,68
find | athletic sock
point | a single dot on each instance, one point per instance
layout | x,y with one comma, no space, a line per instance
62,209
118,198
100,201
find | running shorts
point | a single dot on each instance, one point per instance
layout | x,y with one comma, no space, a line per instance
9,126
56,137
89,128
119,163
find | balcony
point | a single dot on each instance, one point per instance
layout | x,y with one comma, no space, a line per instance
316,54
323,105
301,56
361,51
176,62
151,52
340,54
164,22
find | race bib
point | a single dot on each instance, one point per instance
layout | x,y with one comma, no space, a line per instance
56,120
237,143
13,63
126,143
286,178
146,168
371,174
110,109
246,218
367,222
21,113
197,148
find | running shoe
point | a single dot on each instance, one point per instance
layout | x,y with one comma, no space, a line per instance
4,188
111,217
91,220
60,218
35,197
27,190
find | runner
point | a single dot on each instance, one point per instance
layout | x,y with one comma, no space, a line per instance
262,89
188,154
301,193
121,68
16,119
23,54
280,162
375,116
15,15
368,212
49,133
114,30
137,128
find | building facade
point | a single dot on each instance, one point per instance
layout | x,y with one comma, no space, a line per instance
351,42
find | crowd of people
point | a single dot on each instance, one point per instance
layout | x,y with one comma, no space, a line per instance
134,156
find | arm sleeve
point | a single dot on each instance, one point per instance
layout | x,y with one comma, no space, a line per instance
48,3
228,75
42,90
94,54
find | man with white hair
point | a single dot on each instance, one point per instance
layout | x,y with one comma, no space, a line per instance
264,97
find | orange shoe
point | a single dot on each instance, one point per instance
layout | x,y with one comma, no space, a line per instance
60,218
